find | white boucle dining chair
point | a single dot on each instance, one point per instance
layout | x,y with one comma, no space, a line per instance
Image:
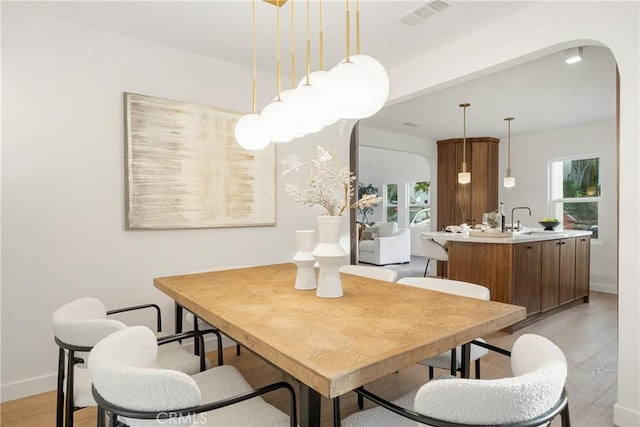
445,360
533,396
379,273
81,324
129,389
433,250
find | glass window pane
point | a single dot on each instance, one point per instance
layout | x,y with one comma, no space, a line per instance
581,178
392,194
364,213
581,216
418,202
392,214
391,200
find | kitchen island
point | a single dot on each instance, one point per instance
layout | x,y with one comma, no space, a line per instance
544,271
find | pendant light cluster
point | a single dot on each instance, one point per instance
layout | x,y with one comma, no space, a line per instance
464,177
355,88
509,181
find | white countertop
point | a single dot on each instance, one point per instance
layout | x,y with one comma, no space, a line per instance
530,235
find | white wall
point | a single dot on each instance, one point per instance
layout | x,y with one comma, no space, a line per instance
63,182
544,28
530,155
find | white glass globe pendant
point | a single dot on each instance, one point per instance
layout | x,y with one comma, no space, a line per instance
286,97
317,79
307,109
349,90
380,81
251,133
276,120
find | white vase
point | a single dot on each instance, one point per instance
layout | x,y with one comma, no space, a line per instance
306,274
330,257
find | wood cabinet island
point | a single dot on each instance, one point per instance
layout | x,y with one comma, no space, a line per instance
542,271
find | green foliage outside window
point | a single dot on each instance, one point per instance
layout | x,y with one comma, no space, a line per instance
364,190
581,178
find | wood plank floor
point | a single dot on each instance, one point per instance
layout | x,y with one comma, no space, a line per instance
586,333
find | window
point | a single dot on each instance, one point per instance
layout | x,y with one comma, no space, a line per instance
391,202
407,202
419,214
575,193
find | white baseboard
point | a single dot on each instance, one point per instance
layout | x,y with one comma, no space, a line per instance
603,287
46,383
623,417
28,387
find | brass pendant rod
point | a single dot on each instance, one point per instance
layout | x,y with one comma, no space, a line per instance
358,27
347,32
253,47
508,119
279,84
308,45
464,135
293,54
321,43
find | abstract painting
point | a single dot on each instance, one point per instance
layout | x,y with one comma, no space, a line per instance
184,168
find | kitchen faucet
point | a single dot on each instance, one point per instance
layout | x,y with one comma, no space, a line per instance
514,209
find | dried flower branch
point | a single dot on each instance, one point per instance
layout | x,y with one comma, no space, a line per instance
329,184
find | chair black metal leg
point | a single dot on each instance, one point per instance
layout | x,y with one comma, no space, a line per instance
564,416
426,268
237,349
430,372
60,389
219,344
69,397
113,420
178,320
100,422
360,402
203,356
196,342
454,362
477,369
336,412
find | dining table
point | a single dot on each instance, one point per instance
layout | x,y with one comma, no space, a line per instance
332,346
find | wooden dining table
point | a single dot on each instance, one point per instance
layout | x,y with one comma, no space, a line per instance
334,345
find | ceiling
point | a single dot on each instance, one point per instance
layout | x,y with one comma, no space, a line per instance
542,94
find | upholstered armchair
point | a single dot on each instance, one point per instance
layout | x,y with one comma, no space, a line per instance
385,244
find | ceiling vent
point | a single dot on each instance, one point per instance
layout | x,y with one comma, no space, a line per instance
423,11
412,125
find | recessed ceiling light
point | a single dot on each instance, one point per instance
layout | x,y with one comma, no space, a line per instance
573,55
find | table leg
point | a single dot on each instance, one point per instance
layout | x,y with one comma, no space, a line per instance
309,407
465,360
178,321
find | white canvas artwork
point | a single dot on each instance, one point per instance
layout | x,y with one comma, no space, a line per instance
184,168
